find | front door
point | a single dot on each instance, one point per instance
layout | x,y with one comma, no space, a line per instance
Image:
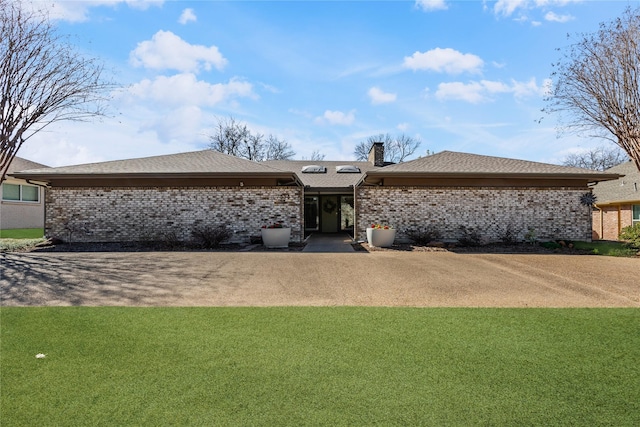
329,214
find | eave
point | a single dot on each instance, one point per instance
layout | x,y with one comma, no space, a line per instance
380,177
163,179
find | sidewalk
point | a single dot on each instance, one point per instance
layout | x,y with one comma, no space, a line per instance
338,242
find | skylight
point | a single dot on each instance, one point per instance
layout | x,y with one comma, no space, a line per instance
314,169
347,169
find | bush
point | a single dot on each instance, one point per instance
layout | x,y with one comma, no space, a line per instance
551,245
424,236
631,236
530,236
509,235
469,236
210,237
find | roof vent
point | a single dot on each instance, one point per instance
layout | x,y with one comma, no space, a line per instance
314,169
347,169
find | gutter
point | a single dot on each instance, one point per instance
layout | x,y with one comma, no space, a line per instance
415,174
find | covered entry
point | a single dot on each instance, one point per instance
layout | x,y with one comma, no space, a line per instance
329,213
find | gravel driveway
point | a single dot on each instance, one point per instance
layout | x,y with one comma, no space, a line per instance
431,279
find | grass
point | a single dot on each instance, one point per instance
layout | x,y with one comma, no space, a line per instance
319,366
22,233
608,248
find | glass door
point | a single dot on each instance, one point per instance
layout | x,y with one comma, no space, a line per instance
311,214
347,217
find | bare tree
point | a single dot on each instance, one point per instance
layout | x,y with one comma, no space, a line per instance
596,84
316,156
235,138
277,149
43,79
600,158
396,149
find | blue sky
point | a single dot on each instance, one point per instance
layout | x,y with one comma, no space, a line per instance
464,76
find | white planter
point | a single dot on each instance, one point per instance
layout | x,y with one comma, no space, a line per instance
380,237
276,237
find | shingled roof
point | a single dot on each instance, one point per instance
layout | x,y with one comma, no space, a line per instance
330,179
20,164
209,163
622,190
191,163
449,163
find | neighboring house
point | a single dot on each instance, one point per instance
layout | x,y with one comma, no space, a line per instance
21,202
139,198
617,202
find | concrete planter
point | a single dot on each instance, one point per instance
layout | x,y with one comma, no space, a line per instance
276,237
381,237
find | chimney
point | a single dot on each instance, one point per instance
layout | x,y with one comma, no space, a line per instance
376,154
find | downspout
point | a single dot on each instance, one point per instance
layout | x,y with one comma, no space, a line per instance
619,221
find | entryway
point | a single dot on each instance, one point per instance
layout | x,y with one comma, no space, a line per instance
329,242
329,213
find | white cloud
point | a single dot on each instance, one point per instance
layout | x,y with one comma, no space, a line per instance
186,89
187,15
403,126
553,17
336,118
478,92
377,96
508,7
444,60
180,124
78,11
165,50
430,5
469,92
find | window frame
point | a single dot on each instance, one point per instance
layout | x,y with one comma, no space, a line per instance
20,192
635,214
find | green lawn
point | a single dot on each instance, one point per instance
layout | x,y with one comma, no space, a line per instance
22,233
609,248
319,366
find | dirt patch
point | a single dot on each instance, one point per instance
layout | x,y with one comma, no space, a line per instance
154,247
275,278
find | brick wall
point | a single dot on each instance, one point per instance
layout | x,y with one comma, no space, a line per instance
554,213
107,214
611,220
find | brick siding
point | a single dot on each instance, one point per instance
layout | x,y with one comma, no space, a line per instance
554,213
106,214
611,221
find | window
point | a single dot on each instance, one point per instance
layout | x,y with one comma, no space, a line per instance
314,169
347,169
20,193
636,214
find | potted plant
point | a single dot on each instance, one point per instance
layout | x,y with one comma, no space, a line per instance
275,235
381,235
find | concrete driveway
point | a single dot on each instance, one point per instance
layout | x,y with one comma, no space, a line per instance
429,279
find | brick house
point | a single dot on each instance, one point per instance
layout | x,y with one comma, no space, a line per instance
21,202
133,199
618,202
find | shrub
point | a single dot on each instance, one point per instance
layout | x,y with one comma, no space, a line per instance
631,236
424,236
551,245
210,237
167,240
509,235
531,236
469,236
